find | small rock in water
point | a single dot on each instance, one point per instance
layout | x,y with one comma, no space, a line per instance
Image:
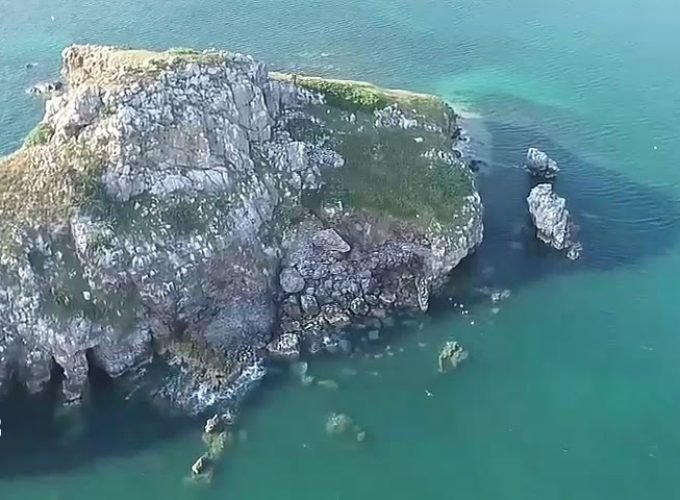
540,164
374,335
495,310
451,355
213,424
500,295
338,423
300,369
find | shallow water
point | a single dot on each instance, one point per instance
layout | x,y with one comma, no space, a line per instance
571,388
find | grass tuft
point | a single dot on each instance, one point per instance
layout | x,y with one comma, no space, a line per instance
40,135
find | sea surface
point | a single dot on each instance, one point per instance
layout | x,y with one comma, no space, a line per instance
572,388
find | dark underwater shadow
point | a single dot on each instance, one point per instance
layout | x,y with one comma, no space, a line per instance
621,223
36,440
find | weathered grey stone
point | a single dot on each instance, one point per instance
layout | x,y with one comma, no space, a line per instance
331,241
291,281
539,164
359,306
309,305
553,222
286,347
291,307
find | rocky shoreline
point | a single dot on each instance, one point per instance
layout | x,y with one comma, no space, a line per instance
193,210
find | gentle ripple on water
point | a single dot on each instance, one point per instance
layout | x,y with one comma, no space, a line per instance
559,399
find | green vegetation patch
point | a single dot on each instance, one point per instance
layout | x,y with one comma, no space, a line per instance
150,65
346,95
40,135
394,172
350,95
42,185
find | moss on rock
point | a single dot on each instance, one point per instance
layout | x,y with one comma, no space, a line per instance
40,135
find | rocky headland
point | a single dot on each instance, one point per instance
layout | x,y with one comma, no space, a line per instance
192,215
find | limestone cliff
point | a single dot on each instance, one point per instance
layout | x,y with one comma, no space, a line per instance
192,214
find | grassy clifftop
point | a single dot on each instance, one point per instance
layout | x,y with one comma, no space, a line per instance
398,171
406,171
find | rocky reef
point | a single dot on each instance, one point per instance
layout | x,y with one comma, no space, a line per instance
193,213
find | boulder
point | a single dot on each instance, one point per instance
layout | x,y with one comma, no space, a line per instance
291,280
309,304
539,164
285,347
331,241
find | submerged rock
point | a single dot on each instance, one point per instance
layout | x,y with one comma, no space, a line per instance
539,164
328,384
301,369
339,423
451,355
554,226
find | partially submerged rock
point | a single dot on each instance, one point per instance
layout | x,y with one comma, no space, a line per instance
539,164
339,424
450,356
301,370
213,425
202,468
552,220
285,347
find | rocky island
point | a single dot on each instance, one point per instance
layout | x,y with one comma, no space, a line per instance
184,217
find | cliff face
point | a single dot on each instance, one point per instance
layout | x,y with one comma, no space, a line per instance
191,214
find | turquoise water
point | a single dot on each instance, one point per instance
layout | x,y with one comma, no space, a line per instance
571,389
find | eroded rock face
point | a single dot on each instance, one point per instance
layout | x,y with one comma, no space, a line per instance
179,230
553,222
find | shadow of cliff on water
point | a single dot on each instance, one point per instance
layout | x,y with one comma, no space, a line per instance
37,440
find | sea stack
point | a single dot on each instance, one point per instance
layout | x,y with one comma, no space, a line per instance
169,203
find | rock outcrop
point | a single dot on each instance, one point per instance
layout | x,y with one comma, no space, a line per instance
191,209
553,222
539,164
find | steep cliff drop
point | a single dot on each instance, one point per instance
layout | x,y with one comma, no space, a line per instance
191,212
